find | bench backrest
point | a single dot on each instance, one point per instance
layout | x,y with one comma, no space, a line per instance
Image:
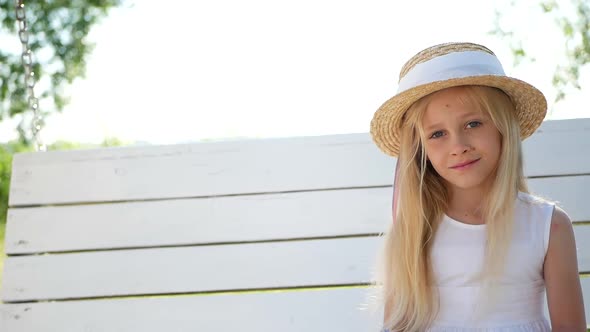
261,235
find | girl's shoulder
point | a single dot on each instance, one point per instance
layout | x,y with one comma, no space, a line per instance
535,208
536,214
534,199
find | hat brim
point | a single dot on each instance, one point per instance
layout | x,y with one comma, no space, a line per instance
529,102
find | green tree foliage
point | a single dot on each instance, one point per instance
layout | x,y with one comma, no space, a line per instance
576,31
572,17
57,39
6,152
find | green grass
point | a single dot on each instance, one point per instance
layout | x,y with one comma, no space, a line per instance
2,256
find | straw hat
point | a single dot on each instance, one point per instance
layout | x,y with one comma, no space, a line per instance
447,65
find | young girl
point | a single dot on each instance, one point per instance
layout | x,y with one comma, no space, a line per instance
470,249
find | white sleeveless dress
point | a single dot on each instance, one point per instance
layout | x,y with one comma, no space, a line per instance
457,257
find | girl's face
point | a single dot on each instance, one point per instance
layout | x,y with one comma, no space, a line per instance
461,141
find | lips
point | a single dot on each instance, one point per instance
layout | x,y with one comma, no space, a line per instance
465,163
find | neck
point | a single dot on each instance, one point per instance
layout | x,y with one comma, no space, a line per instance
466,204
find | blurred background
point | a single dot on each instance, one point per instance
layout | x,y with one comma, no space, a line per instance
124,72
164,73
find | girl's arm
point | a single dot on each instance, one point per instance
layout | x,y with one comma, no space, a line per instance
564,293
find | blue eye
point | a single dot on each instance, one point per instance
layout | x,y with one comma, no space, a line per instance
473,124
436,134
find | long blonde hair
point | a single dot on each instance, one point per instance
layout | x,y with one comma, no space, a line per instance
404,272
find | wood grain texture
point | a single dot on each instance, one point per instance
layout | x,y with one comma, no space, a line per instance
329,262
558,147
198,221
264,166
346,310
232,219
189,269
213,217
342,310
199,170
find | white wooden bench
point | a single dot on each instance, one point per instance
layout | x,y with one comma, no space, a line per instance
261,235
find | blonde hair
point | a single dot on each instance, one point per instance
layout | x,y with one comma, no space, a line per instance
404,277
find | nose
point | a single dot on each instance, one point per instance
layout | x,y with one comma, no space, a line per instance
460,145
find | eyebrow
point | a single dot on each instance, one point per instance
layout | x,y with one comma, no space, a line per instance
463,116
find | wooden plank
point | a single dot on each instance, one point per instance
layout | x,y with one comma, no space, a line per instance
198,221
312,310
342,261
586,295
208,169
256,166
582,234
558,147
569,192
189,269
232,219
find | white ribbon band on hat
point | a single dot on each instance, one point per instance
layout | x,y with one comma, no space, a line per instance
449,66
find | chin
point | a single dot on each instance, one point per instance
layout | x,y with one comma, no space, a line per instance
466,184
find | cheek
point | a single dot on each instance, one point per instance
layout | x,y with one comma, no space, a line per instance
493,145
436,158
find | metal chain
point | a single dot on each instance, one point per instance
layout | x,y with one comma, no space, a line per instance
27,60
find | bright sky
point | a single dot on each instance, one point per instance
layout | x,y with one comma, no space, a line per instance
193,70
